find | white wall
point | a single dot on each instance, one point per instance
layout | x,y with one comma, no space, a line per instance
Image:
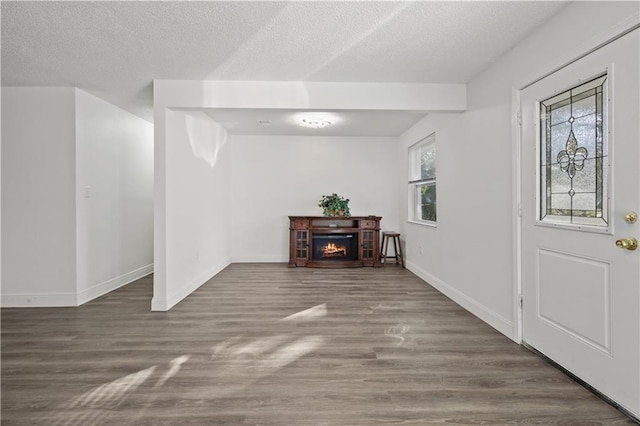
0,179
114,193
38,197
278,176
469,256
196,194
58,247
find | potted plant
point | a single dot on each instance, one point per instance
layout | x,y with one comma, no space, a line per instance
334,205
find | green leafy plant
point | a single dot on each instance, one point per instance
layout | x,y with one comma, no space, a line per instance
334,205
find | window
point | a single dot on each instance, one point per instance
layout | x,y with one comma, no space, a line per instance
574,156
422,180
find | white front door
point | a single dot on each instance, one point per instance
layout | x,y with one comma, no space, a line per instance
580,156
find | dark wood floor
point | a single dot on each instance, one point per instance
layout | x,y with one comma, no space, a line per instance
267,345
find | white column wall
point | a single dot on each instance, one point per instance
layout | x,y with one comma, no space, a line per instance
114,194
38,197
195,192
0,179
278,176
470,255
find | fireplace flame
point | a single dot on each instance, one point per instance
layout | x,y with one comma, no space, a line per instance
331,249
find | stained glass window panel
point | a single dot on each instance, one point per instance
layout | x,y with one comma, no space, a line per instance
561,202
585,182
574,156
583,203
560,182
584,107
559,136
560,115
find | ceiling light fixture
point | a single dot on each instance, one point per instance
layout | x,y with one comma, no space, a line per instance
315,123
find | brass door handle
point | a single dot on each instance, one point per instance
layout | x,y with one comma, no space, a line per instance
627,243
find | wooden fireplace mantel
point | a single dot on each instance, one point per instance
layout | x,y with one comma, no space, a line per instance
303,228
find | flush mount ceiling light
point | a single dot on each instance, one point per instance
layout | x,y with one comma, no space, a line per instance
315,123
315,119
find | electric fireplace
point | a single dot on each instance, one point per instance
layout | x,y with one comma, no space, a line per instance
328,247
334,242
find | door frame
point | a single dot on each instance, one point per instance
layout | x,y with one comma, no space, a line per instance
606,37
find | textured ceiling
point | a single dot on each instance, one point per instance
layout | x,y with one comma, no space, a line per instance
114,50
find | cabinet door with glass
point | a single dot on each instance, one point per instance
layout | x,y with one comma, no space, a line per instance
299,243
369,233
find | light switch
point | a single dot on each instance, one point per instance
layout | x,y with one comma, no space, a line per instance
87,192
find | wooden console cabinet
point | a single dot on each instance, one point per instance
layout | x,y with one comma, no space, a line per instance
363,232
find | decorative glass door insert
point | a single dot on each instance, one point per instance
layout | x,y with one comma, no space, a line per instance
302,244
367,245
574,157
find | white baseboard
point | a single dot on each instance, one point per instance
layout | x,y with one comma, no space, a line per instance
112,284
38,300
260,259
162,304
57,300
159,304
495,320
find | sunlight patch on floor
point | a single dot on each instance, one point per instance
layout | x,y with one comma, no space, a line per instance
260,346
317,312
235,357
174,366
292,352
91,406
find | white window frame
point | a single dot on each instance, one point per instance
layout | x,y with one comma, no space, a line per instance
416,182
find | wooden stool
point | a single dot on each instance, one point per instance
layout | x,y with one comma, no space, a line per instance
397,245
